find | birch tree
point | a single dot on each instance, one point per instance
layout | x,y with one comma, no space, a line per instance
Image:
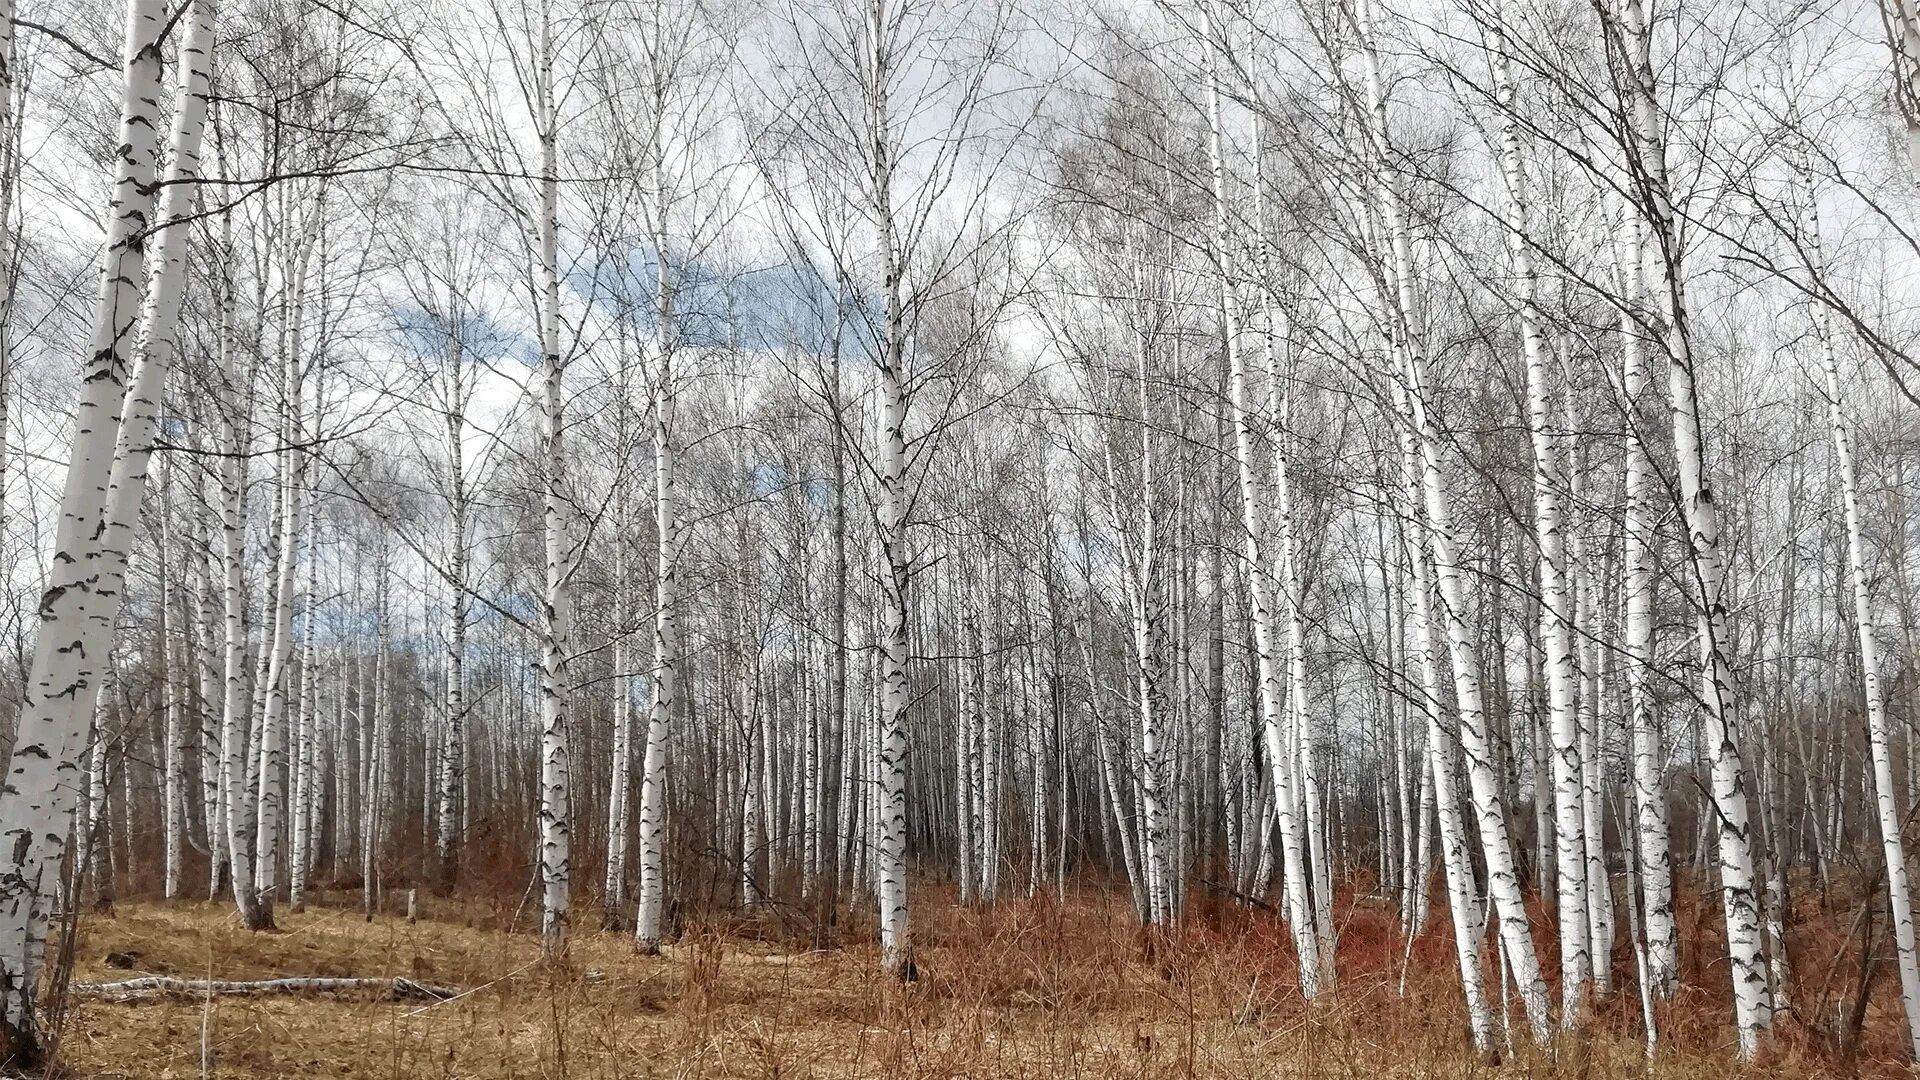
1630,55
112,431
1503,881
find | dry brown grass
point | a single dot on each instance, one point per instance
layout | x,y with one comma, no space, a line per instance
1045,989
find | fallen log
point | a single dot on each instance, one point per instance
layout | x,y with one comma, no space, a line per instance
398,988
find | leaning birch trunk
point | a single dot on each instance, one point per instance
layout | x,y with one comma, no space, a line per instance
1259,587
1503,880
1549,527
1280,411
1751,1006
556,846
1886,803
1109,778
207,664
1752,1010
236,793
1292,588
1461,903
76,613
158,347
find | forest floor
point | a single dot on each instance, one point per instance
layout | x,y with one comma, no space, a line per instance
1048,988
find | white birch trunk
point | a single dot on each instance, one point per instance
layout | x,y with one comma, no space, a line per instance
555,630
1455,859
453,749
614,888
1590,663
77,611
93,849
1273,702
174,675
1549,526
1138,562
890,757
306,775
208,663
373,744
1653,847
666,522
1503,881
1885,798
1292,588
272,799
1752,1011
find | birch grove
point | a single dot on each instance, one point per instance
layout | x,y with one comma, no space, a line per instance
1278,467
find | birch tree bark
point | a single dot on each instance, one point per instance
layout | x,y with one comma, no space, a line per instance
1273,701
175,673
1879,746
666,523
1281,383
555,626
880,46
1503,881
1655,861
272,797
457,393
209,664
1462,904
1549,526
1706,561
77,612
614,889
305,772
1138,559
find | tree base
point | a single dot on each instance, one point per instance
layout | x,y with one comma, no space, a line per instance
20,1053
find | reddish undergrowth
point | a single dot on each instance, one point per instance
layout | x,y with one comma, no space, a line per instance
1050,987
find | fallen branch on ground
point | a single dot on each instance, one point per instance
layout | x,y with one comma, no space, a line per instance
1222,890
398,988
